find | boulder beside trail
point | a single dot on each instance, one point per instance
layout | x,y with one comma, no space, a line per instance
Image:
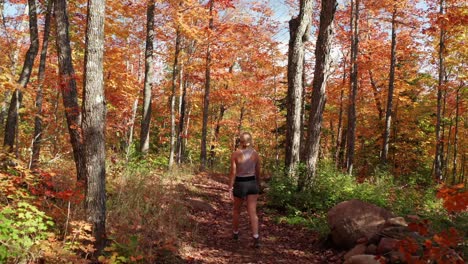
352,220
371,249
386,245
359,249
363,259
396,221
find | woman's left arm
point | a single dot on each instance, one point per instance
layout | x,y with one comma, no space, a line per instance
258,167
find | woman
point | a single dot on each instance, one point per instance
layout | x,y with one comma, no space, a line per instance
244,184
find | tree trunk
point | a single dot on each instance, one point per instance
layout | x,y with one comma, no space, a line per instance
339,133
275,93
442,128
139,71
149,73
391,87
182,117
217,129
175,73
440,87
395,127
375,91
55,103
241,118
462,172
179,101
290,107
447,152
132,126
14,60
351,131
4,110
299,32
11,128
319,85
239,127
206,98
304,128
37,138
68,85
455,140
183,107
94,120
187,127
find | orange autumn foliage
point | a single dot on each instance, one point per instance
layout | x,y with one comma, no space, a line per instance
455,197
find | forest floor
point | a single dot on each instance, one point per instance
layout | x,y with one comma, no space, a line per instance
211,242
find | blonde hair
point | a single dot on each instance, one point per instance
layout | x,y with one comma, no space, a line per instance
245,139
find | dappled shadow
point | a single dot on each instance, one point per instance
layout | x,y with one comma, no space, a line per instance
210,212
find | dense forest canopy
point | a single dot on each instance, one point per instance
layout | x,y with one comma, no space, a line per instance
248,46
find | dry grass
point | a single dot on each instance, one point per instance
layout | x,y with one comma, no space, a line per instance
146,211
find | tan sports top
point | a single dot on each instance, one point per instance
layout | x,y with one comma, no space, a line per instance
245,166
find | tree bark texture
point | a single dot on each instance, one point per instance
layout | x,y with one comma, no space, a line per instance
206,98
68,86
175,73
148,85
94,121
11,128
391,87
299,31
182,117
4,110
375,92
274,99
339,133
132,128
222,110
37,137
351,131
293,23
438,166
455,140
319,85
184,83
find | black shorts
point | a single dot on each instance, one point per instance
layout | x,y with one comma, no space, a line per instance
244,186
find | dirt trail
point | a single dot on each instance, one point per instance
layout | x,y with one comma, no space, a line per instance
213,243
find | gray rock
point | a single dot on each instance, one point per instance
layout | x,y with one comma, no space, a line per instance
386,245
371,249
397,232
359,249
354,219
396,221
363,259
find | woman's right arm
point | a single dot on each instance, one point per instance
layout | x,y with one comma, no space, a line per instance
232,173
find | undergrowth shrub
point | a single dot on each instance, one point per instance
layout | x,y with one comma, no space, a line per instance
23,227
148,204
331,187
327,189
27,233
